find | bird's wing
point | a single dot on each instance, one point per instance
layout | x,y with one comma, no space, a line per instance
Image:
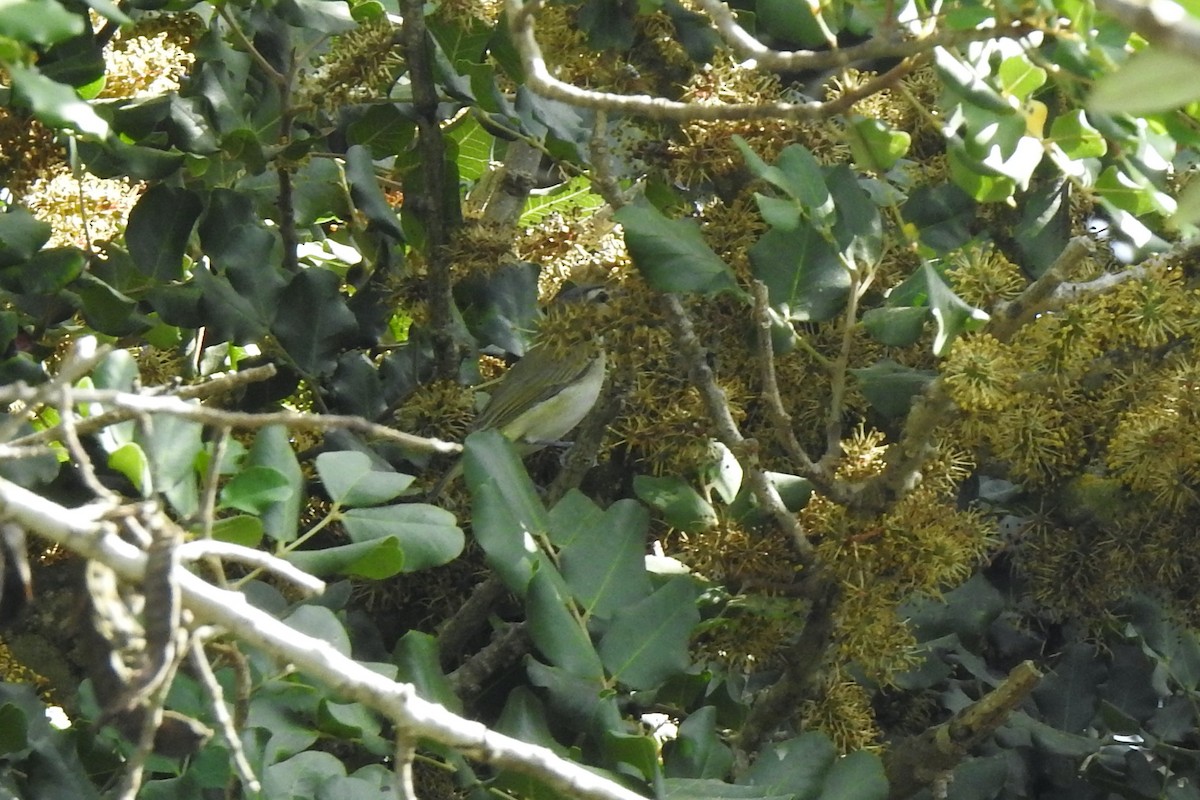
512,397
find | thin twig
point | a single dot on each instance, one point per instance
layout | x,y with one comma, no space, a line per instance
208,548
213,386
176,406
225,723
745,450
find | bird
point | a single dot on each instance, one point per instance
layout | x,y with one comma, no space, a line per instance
547,393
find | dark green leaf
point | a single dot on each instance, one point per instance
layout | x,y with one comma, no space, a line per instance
603,557
795,768
506,508
384,130
671,253
115,158
681,506
172,445
858,230
890,387
21,235
374,559
647,642
1067,696
41,22
366,194
608,24
107,310
53,103
896,327
326,16
803,274
556,632
942,214
698,751
952,314
416,654
47,273
857,776
1045,226
317,324
232,235
13,729
159,228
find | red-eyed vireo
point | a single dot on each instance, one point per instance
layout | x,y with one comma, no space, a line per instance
542,397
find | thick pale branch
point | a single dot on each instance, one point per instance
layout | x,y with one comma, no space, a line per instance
85,531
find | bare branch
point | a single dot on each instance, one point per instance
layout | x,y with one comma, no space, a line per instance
137,404
745,450
212,548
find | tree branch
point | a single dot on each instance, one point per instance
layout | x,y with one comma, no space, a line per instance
85,531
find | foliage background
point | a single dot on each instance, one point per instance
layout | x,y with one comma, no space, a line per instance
902,394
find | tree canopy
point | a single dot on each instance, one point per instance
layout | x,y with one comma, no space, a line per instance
890,491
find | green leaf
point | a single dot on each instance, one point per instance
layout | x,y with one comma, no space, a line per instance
273,449
952,314
795,768
876,146
130,460
681,506
326,16
603,557
40,22
376,559
572,197
255,489
53,103
698,751
558,634
857,776
798,174
1076,137
47,273
21,235
425,534
506,509
352,479
636,750
1019,77
232,235
14,731
792,21
159,228
895,327
115,158
942,215
803,274
474,148
671,253
647,643
241,529
1125,192
383,130
416,654
172,445
320,623
1045,226
984,183
366,194
318,324
890,387
1151,80
859,229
